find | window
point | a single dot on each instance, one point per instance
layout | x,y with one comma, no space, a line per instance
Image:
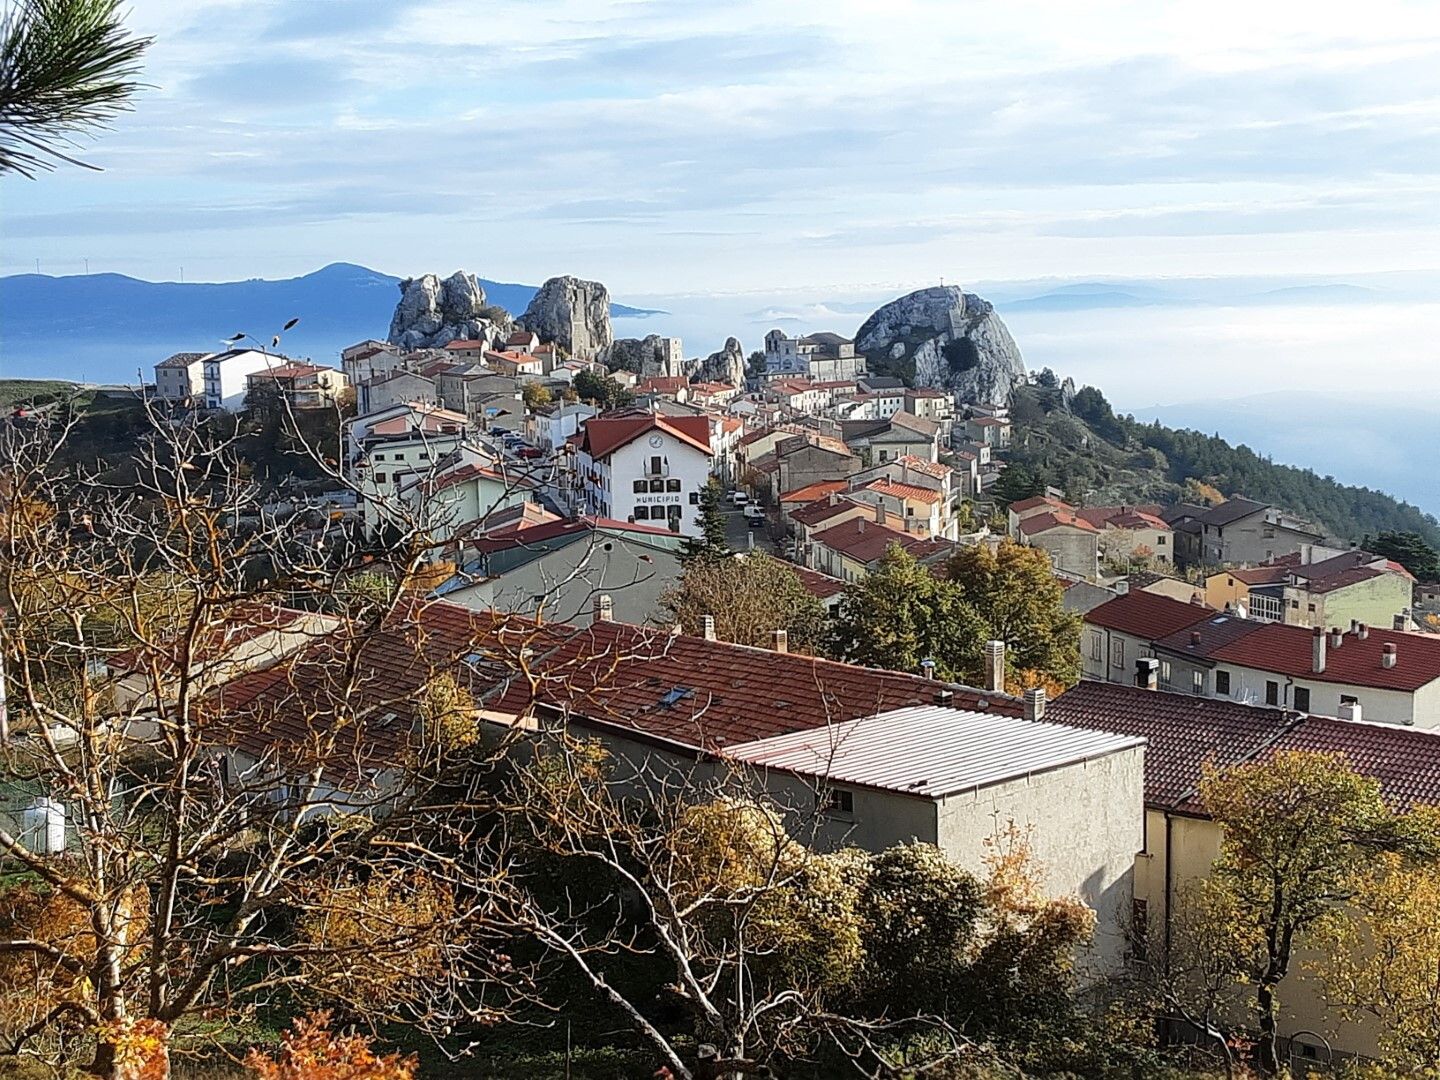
641,487
1222,682
379,457
1302,698
1160,541
909,511
657,486
1296,605
655,465
1197,682
642,513
424,457
836,801
1311,608
379,477
1349,699
1117,654
1097,647
1272,692
672,485
1165,672
694,498
672,512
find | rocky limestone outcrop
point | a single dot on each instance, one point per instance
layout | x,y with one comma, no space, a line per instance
725,366
649,357
947,339
432,313
572,313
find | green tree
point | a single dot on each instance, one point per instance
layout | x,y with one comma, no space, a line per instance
902,614
1300,831
1410,550
1046,379
67,68
602,391
1016,595
749,596
536,396
711,544
1016,482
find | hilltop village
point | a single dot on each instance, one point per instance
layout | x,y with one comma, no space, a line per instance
815,581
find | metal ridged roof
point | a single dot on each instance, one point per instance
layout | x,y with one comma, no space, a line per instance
931,750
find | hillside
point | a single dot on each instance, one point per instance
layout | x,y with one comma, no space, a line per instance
108,327
1097,457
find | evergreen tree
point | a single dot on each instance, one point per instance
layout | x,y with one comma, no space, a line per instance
711,545
1408,549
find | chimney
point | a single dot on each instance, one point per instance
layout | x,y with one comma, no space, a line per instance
1349,710
1147,673
1355,627
1387,655
1401,620
1035,703
1362,631
779,641
879,513
1317,650
860,524
1336,637
834,498
1195,638
927,668
995,667
707,627
604,608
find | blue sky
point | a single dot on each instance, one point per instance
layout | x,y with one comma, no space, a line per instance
669,145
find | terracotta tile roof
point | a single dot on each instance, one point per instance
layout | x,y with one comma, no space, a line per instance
920,465
822,509
521,337
1184,733
1342,579
1258,575
1147,615
292,370
988,421
1405,760
813,438
534,533
1055,519
473,471
1121,517
603,435
821,586
818,490
1037,501
710,694
663,384
862,540
466,343
894,489
1288,650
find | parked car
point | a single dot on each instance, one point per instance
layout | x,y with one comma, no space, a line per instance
529,453
754,515
737,498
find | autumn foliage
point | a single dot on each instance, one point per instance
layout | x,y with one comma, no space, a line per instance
311,1051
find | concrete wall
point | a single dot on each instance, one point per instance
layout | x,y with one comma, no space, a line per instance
1086,825
1252,540
1375,601
1071,550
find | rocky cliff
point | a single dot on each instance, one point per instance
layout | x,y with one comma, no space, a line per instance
648,357
432,313
944,338
726,366
572,313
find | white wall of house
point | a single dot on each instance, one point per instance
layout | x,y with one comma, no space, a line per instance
654,459
226,376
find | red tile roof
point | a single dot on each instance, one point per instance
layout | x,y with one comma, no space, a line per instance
1288,650
1147,615
1259,575
606,434
1185,733
1121,517
821,586
920,465
818,490
862,540
709,694
896,490
469,344
1055,519
663,384
822,509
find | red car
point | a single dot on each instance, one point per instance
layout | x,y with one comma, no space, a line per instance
529,452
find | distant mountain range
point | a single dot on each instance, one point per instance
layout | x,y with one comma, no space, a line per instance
108,327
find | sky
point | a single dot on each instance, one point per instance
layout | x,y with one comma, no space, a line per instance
689,145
